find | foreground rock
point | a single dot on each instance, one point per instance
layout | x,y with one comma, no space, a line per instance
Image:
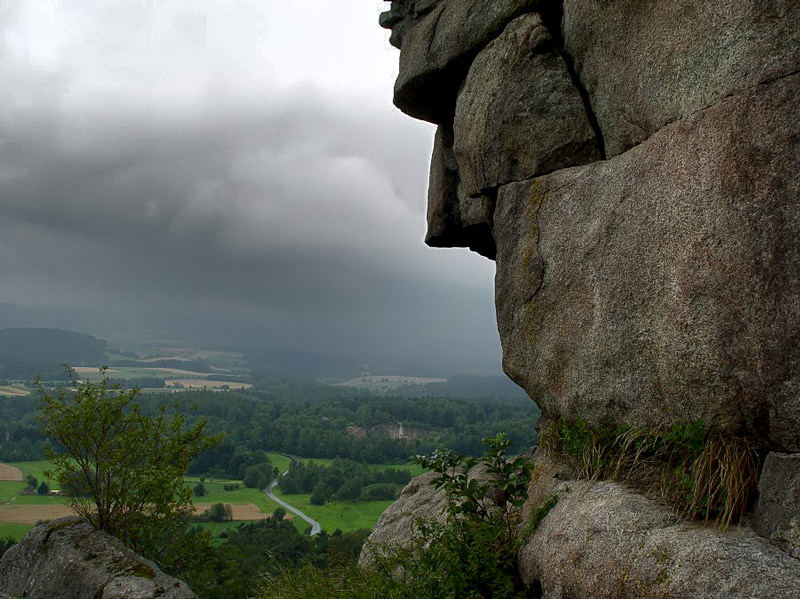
604,540
69,559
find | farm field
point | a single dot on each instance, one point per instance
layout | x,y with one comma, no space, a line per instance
13,391
10,473
190,379
129,372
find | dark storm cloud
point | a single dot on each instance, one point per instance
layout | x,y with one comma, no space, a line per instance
299,205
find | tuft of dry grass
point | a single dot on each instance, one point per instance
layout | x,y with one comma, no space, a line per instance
702,474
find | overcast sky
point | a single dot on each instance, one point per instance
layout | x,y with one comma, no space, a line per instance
167,164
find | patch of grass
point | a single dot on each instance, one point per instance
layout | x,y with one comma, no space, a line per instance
15,531
281,462
702,473
37,468
347,517
9,489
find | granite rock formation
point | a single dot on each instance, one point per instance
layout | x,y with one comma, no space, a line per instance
634,169
660,283
69,558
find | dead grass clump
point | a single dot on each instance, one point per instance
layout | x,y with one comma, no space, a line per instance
701,473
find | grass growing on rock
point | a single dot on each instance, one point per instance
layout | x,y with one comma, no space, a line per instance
703,474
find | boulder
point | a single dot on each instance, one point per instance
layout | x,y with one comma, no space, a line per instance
777,513
646,63
604,540
69,559
519,101
395,527
662,285
438,41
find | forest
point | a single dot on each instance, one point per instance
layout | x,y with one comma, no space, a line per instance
308,420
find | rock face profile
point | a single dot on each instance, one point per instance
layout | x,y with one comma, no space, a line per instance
69,558
633,167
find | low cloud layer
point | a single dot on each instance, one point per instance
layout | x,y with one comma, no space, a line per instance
230,162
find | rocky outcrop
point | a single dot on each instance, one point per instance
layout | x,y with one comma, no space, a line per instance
69,558
634,169
660,284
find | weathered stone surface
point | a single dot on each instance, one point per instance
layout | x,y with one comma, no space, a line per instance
646,63
438,41
68,559
454,220
519,101
396,525
663,284
777,513
603,540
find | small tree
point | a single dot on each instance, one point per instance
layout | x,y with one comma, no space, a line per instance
199,489
258,476
320,494
130,465
43,489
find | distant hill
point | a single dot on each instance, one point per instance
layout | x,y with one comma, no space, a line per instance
27,351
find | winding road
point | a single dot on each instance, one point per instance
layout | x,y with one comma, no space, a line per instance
316,528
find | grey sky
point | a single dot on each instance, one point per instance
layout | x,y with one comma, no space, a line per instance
231,160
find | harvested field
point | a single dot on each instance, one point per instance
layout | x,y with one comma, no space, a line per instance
31,514
162,358
11,473
205,383
177,371
14,392
241,511
90,369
